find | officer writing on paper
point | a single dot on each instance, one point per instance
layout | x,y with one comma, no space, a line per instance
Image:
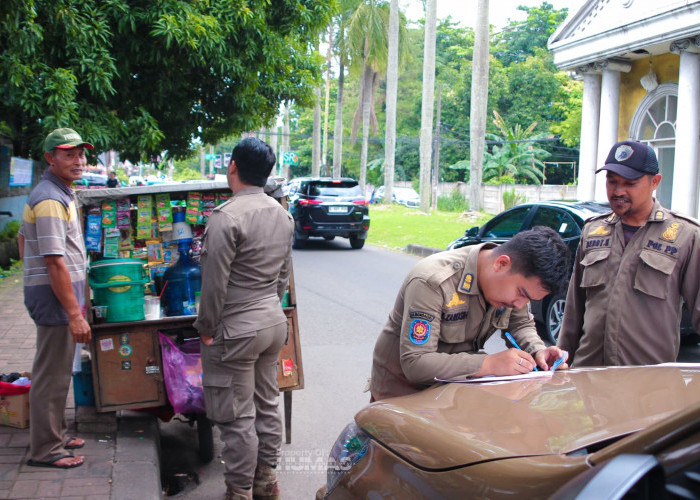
632,268
452,302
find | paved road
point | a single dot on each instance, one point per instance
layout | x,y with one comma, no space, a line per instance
343,298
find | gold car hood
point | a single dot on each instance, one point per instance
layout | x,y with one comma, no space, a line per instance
458,424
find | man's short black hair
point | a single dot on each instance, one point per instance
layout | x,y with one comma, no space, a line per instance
540,252
254,159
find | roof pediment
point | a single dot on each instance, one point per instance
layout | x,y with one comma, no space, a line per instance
610,28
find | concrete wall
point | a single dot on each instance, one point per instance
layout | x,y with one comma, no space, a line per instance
492,196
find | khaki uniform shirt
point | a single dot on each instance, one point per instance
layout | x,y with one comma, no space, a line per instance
439,324
623,304
246,263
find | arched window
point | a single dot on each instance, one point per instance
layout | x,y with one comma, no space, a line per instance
654,123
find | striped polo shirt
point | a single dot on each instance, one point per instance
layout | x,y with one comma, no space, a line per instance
51,227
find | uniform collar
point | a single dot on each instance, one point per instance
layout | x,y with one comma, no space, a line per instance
51,177
658,214
248,190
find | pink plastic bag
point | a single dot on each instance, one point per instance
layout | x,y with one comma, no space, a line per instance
183,376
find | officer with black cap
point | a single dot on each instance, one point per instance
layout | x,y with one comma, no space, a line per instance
632,268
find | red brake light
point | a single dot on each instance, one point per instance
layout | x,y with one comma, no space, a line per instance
361,202
304,201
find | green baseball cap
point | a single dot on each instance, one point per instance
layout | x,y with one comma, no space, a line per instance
65,138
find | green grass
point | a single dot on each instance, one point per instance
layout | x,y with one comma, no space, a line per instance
396,226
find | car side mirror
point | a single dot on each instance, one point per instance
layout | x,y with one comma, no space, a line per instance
472,231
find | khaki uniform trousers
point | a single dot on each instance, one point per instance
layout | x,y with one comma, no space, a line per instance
242,399
51,374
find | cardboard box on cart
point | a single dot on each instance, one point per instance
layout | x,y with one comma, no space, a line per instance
14,408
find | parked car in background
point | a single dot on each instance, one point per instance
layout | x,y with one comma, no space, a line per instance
93,179
405,196
326,207
523,438
567,218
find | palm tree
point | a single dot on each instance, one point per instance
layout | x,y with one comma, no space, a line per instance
347,7
426,126
367,36
392,80
517,156
480,91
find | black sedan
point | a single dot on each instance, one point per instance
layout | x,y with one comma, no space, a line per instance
567,218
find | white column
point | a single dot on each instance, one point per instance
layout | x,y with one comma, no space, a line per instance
590,119
685,169
607,131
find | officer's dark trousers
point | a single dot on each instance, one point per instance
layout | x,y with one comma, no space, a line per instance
241,395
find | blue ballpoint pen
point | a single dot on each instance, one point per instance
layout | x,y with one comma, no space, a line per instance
558,362
515,344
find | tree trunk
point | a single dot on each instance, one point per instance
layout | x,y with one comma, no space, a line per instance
338,132
316,142
480,94
392,79
436,151
285,139
202,162
367,77
426,124
324,148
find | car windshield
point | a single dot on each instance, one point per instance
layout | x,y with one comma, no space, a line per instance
335,189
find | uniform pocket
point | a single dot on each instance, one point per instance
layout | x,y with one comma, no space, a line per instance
594,264
219,397
653,274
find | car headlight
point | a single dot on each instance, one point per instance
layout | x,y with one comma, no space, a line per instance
348,449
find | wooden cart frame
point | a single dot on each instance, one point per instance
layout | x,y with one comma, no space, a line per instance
131,377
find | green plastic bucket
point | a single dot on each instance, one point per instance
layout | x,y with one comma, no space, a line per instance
118,284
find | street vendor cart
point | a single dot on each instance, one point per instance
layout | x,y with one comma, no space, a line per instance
132,234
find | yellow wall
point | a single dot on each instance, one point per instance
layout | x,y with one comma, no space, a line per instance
631,92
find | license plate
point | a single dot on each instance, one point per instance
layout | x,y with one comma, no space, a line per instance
337,210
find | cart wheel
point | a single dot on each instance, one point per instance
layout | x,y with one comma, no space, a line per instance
205,437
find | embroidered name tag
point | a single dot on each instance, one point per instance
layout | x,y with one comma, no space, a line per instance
449,317
598,242
662,247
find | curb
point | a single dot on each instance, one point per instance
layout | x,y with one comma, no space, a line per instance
136,472
421,250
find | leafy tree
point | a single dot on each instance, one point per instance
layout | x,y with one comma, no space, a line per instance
151,77
520,40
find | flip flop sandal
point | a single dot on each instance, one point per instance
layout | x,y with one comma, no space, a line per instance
52,463
72,446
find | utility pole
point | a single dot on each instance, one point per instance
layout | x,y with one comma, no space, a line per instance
436,150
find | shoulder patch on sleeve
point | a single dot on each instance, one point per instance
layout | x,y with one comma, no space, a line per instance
419,331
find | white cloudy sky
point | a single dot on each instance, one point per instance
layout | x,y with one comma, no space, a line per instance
464,11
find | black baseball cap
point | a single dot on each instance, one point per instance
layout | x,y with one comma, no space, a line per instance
631,160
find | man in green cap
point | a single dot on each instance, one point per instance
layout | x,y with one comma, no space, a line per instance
52,248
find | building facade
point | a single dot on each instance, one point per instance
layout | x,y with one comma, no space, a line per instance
640,64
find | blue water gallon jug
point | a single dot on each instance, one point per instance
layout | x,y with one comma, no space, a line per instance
181,282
